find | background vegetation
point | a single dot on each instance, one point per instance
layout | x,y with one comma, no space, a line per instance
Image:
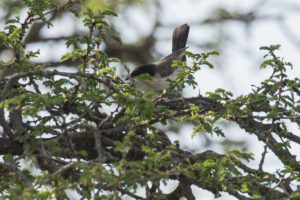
73,128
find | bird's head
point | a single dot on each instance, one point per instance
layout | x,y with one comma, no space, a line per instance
149,69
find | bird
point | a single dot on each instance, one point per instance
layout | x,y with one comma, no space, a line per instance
162,69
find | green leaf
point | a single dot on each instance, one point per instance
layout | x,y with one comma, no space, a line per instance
209,163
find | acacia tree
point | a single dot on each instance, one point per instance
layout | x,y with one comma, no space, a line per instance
92,133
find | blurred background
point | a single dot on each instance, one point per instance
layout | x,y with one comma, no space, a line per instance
236,29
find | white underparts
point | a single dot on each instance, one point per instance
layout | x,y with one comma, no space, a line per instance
157,85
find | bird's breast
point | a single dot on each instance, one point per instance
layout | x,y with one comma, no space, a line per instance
158,84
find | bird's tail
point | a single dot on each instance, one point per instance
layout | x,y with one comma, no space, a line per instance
180,36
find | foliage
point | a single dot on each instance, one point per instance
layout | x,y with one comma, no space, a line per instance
92,133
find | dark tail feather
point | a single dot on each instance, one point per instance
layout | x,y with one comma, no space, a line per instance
180,36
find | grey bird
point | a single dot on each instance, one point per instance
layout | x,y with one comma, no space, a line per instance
162,69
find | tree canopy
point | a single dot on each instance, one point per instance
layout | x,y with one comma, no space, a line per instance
82,129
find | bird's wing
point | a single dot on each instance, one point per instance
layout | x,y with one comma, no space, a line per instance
164,65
